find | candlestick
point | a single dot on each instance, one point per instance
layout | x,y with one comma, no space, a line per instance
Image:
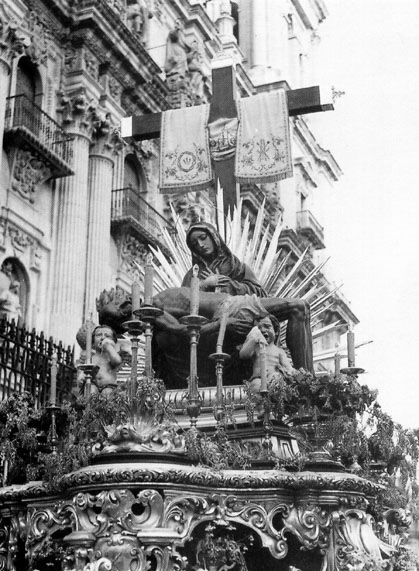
337,360
195,290
263,379
223,326
53,395
135,296
89,331
351,347
148,280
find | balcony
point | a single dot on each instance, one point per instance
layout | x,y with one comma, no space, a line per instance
309,227
27,126
128,207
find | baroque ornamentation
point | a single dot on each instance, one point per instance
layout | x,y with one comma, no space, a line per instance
13,41
115,88
36,258
20,240
132,252
29,170
77,111
91,64
106,135
40,38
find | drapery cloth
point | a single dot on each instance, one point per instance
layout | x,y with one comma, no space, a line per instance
261,140
185,161
263,151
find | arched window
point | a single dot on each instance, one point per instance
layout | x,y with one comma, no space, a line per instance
132,178
28,80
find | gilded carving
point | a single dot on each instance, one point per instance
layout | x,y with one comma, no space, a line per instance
4,537
308,522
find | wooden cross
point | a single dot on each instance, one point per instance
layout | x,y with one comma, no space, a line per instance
300,102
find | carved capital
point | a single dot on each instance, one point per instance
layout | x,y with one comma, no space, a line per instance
77,112
106,137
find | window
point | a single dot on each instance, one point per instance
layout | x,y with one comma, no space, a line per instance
132,177
28,80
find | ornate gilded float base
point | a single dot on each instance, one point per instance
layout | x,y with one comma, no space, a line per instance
140,516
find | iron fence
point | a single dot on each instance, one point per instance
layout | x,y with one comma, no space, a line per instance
25,364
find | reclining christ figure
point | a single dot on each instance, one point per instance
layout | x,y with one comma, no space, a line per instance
222,276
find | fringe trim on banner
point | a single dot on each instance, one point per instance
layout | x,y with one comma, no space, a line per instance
185,189
266,179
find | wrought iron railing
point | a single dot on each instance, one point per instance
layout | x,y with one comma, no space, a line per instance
25,364
21,112
127,202
307,221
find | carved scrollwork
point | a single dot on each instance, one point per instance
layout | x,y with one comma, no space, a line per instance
309,523
181,512
29,170
41,524
4,537
354,541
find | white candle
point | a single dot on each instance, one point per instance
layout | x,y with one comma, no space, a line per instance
135,295
222,330
148,280
53,395
263,379
195,291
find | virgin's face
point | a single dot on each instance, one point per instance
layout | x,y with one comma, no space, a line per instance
202,243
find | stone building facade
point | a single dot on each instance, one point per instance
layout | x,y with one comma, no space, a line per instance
79,204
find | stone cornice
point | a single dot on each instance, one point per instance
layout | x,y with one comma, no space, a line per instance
323,157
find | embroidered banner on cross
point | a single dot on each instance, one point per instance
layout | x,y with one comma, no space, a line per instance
263,151
185,161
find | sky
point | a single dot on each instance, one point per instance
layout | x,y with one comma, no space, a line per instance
370,50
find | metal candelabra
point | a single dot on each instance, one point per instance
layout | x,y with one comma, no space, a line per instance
134,328
194,323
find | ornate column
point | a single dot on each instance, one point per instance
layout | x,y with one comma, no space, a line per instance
106,143
69,266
